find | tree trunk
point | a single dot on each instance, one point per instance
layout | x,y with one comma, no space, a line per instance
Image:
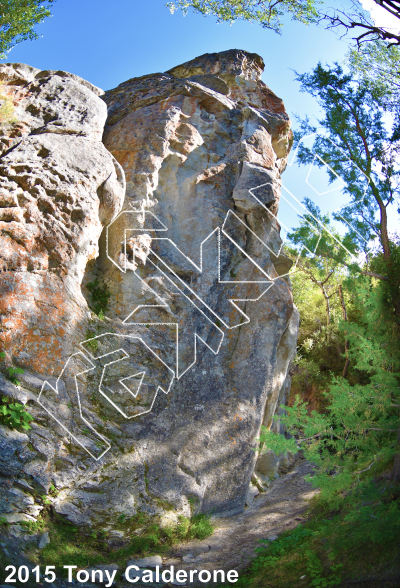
383,223
346,342
387,254
328,312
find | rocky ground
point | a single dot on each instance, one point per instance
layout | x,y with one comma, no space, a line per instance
232,546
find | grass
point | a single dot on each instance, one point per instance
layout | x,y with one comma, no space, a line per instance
68,543
331,547
200,527
34,526
93,343
86,547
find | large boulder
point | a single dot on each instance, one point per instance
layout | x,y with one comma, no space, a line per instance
162,405
54,171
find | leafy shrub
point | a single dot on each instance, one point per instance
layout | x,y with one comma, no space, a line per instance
12,371
100,297
352,443
296,550
355,438
14,416
200,527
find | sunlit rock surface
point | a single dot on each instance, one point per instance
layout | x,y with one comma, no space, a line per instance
191,143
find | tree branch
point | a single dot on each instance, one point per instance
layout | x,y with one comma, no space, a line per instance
373,275
358,21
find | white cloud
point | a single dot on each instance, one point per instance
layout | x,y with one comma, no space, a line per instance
381,17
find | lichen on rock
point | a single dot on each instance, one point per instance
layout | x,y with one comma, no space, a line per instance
189,249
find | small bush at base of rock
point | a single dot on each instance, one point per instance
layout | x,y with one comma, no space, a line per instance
200,527
89,547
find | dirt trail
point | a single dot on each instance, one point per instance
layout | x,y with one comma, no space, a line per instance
232,545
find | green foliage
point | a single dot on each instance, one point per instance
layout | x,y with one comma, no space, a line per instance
320,348
87,546
12,371
309,300
13,415
352,443
332,250
299,541
356,437
33,527
378,66
17,20
197,527
93,343
267,13
357,138
146,543
284,560
315,284
67,544
331,546
200,527
327,268
100,296
53,490
353,440
390,288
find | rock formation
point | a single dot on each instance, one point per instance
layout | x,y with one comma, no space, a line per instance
158,403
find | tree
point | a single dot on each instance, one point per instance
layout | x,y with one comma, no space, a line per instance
267,13
17,19
361,424
333,252
356,437
360,21
378,67
327,270
357,139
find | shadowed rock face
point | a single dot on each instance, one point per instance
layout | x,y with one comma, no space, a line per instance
191,238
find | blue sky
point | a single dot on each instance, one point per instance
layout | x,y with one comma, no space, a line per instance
109,42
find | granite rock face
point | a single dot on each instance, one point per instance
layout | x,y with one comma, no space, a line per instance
193,354
58,187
